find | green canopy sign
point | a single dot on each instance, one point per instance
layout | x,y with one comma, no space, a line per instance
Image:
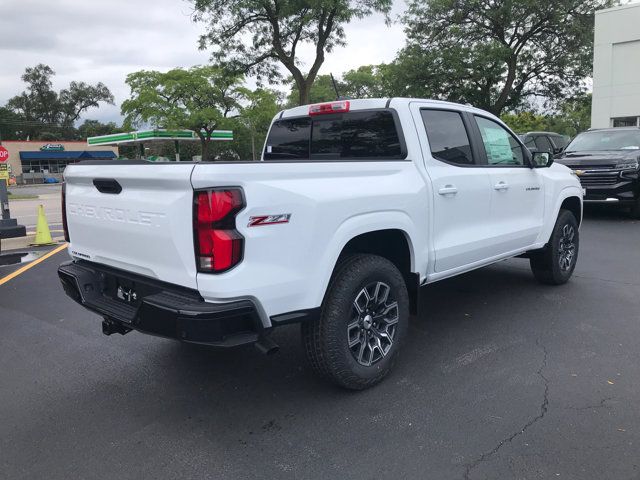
156,134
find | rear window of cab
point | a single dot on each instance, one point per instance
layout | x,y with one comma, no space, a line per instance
357,135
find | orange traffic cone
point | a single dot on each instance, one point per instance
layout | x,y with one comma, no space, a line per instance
43,235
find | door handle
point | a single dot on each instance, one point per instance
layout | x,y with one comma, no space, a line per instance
107,185
448,190
501,186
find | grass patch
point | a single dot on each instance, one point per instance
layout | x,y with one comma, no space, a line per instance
20,196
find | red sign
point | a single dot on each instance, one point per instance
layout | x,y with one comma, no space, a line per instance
4,154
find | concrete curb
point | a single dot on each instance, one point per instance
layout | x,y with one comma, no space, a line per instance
22,243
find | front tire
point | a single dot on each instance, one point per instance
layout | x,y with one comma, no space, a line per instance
554,265
363,320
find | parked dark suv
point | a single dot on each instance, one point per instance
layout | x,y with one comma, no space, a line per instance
607,162
551,142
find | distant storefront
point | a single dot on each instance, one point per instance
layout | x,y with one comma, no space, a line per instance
37,161
616,67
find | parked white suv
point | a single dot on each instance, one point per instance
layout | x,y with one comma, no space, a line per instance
354,206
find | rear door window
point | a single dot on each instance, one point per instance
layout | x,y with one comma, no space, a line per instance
370,134
448,139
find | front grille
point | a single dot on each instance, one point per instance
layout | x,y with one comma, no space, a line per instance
595,179
593,167
597,175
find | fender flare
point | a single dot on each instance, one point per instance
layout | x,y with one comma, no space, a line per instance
357,225
566,192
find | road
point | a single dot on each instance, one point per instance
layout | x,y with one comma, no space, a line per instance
26,210
500,378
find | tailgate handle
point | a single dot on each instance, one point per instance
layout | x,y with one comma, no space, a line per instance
107,185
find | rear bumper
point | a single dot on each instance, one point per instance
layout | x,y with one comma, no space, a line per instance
132,302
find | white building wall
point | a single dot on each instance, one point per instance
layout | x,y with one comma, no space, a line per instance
616,67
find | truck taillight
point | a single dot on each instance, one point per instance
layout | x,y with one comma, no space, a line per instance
63,198
331,107
218,245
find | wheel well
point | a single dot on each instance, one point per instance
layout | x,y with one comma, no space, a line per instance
573,205
393,245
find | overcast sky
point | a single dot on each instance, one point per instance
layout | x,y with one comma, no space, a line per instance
103,40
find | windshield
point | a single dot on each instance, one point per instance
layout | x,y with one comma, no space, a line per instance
606,140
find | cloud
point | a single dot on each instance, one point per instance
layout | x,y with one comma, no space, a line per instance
103,41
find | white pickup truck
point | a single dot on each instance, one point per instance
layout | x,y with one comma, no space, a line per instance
354,207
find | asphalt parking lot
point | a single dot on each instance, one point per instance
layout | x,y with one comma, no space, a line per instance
500,378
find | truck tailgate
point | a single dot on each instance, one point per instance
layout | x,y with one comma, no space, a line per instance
146,227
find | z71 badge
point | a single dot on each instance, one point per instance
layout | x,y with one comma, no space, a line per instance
261,220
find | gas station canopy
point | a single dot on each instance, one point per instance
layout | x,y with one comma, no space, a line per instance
155,135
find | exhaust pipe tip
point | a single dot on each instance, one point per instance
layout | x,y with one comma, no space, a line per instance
267,346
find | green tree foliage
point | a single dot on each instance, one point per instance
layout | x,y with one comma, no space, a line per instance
199,98
495,54
11,125
252,124
322,90
255,37
572,117
41,108
94,128
367,81
79,97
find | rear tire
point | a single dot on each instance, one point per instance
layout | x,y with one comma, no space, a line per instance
554,264
363,320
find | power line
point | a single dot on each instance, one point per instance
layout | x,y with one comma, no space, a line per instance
32,123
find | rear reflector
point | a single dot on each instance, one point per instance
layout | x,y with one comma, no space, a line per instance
218,245
332,107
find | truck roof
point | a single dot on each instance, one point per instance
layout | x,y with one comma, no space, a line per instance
612,129
543,133
393,102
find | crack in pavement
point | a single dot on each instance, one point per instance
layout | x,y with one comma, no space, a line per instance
544,406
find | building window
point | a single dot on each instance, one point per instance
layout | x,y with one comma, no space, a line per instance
626,122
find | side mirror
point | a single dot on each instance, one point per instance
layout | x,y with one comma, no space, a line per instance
541,159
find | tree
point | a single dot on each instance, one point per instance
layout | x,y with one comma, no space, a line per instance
495,54
250,127
574,115
526,121
258,109
79,97
39,106
94,128
571,117
276,29
322,90
367,81
11,125
200,99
